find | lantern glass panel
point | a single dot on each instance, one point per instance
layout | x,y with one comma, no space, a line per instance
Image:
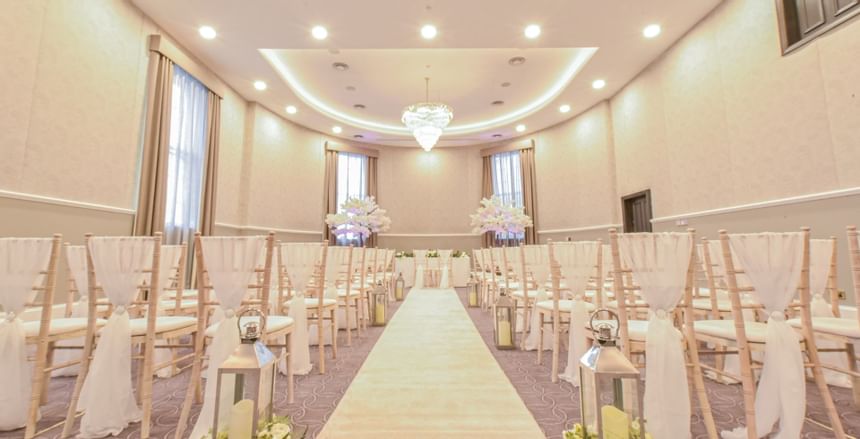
504,326
588,399
237,401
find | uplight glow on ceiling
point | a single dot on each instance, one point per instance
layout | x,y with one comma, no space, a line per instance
580,58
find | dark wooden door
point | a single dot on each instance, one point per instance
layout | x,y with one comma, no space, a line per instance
636,209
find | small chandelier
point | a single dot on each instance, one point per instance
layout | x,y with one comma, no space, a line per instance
427,119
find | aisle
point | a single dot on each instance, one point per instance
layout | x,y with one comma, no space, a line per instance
430,375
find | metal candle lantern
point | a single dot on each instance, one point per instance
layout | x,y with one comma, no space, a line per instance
504,322
609,386
399,287
474,295
246,383
378,302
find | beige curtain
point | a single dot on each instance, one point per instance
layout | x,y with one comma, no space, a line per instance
330,191
487,192
152,201
527,165
210,172
372,190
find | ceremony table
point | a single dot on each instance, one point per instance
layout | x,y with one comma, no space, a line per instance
460,269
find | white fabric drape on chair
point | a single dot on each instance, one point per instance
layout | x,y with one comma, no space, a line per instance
230,263
300,260
659,262
820,252
21,261
537,262
773,263
76,255
169,261
420,265
577,261
107,397
445,263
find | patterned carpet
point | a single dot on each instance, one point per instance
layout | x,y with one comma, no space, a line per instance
315,399
556,406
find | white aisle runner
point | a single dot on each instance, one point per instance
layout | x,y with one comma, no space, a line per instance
430,375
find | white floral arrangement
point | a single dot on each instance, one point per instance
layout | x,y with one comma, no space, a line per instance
360,216
278,428
495,216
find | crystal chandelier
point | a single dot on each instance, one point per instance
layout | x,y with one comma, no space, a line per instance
427,119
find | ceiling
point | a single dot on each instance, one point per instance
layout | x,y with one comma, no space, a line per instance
467,62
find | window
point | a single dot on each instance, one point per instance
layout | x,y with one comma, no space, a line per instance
801,21
186,157
351,183
508,185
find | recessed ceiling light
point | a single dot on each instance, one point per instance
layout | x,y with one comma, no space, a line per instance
532,31
564,108
497,135
506,84
520,128
497,103
428,31
516,61
291,109
340,66
207,32
651,31
319,32
359,106
598,84
336,129
260,85
358,136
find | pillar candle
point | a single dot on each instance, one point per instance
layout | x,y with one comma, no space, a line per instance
615,423
505,333
473,298
241,420
380,314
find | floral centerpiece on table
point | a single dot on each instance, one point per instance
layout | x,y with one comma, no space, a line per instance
278,428
359,216
497,217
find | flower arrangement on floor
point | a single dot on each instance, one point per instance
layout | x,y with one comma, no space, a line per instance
278,428
404,254
497,217
359,216
459,254
578,432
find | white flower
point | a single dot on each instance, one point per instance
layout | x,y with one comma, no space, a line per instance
280,431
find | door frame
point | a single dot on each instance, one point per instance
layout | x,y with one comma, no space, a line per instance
647,194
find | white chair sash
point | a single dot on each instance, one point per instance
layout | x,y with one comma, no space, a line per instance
537,263
230,263
107,397
299,260
445,263
773,264
76,255
21,261
169,262
820,253
577,261
659,262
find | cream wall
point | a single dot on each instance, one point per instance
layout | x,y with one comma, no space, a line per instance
724,119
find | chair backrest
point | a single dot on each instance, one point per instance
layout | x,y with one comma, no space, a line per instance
28,276
822,271
536,263
76,274
420,256
854,258
577,262
230,266
339,265
172,273
300,268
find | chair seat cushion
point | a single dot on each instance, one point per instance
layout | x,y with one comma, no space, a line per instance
832,325
722,304
353,292
564,305
60,326
725,329
614,303
274,324
162,324
636,329
313,302
531,294
183,304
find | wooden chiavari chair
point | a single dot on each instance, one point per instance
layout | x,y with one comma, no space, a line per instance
557,311
742,337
